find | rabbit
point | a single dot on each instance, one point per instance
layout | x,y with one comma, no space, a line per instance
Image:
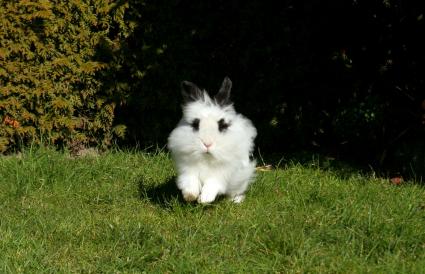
212,146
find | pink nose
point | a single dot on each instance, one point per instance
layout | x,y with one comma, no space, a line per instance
207,145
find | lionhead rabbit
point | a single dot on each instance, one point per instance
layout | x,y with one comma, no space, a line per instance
211,146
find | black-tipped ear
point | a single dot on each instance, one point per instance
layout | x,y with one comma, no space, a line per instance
190,92
223,96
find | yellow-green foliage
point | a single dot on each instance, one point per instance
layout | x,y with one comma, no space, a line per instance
50,89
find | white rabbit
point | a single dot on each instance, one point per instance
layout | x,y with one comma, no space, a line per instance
211,146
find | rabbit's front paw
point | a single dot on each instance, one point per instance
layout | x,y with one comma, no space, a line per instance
209,192
190,196
207,197
190,187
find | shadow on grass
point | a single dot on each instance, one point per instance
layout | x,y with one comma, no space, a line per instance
163,194
344,166
338,167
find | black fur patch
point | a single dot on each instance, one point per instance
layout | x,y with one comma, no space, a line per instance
195,124
222,125
222,98
191,92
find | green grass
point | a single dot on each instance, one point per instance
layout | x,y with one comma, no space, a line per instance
121,213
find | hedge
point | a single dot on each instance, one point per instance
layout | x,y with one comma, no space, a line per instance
51,87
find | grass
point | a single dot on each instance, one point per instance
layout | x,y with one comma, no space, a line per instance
121,213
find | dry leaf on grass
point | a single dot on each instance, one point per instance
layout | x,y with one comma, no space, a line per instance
264,168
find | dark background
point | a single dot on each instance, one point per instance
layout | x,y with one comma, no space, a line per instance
341,78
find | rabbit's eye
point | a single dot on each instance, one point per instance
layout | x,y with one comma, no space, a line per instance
195,124
222,125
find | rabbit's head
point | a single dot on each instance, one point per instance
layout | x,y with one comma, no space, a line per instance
210,127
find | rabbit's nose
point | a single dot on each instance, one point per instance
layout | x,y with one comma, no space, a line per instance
207,144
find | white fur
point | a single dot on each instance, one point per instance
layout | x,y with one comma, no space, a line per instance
222,169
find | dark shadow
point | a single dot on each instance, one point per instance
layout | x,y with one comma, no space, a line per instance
163,194
167,194
342,168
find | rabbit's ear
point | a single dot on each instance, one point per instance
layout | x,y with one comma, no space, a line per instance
223,96
190,92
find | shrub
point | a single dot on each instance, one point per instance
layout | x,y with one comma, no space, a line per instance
50,73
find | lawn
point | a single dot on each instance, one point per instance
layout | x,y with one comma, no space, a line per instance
121,213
